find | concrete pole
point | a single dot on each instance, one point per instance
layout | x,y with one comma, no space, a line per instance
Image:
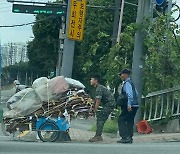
116,22
68,52
137,66
169,12
60,51
1,110
167,44
0,72
120,21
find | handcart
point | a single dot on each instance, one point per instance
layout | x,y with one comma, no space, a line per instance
49,129
46,109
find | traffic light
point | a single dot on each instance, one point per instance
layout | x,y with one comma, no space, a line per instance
160,7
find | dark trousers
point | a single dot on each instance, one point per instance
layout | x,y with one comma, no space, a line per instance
126,122
102,116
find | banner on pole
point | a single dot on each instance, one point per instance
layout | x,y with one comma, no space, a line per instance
77,19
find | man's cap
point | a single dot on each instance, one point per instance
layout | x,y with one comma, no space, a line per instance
125,71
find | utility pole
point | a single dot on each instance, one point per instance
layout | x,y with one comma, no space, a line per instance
137,66
118,15
61,46
68,52
120,21
0,71
169,13
1,110
116,22
166,53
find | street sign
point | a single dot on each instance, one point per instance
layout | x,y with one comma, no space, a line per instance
159,2
34,9
77,19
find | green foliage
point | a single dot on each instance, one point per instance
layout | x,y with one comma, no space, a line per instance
96,42
120,55
42,51
10,73
91,53
162,56
94,54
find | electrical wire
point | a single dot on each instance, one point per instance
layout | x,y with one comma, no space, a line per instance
18,25
26,24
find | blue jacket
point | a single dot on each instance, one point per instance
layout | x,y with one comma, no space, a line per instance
131,93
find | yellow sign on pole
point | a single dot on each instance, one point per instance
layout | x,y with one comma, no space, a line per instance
77,19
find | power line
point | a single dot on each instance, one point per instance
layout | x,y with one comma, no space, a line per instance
26,24
18,25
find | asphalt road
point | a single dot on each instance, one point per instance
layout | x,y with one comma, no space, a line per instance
17,147
6,94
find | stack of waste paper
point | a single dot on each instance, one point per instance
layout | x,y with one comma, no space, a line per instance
48,97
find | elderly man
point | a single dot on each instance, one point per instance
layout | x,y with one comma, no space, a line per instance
129,107
104,105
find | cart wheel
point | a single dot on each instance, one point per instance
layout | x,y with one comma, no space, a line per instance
48,132
3,128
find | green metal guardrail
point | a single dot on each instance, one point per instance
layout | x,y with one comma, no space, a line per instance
161,104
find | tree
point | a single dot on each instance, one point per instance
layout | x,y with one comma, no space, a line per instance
42,51
13,72
162,55
94,54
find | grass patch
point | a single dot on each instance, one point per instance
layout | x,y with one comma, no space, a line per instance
110,126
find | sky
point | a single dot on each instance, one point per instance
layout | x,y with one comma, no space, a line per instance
19,34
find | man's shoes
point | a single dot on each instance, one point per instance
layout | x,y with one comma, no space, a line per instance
126,140
96,139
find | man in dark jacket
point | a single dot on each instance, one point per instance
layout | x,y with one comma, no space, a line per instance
129,107
104,105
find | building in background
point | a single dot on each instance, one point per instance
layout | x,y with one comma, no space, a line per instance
13,53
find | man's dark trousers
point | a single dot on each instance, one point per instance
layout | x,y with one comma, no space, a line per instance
126,122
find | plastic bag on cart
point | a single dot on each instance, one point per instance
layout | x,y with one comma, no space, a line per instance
58,84
74,83
40,86
39,82
23,103
49,89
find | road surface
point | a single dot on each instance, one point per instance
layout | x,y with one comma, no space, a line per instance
18,147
